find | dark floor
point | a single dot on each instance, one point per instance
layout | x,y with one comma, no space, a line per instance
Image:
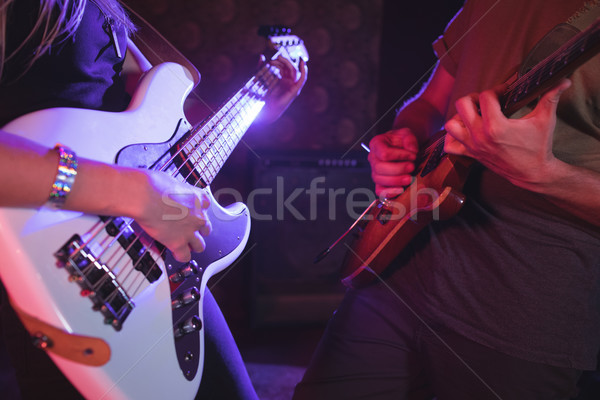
275,358
8,389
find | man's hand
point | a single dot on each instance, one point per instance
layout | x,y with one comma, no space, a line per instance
392,160
520,150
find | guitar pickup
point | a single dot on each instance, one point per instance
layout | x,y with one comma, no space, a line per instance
131,243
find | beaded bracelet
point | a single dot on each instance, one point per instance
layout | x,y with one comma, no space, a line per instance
65,177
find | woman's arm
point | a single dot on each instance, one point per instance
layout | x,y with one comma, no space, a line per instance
170,211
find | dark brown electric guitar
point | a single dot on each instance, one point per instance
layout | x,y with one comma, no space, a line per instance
435,193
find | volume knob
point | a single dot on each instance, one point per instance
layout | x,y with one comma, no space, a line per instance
193,324
189,269
189,296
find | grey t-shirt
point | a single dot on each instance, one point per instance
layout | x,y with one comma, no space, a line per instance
513,271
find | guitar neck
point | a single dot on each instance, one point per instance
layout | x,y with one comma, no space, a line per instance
211,143
532,84
552,69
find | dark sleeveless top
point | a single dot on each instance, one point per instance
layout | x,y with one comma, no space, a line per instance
82,73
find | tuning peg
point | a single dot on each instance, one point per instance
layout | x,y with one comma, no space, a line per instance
273,30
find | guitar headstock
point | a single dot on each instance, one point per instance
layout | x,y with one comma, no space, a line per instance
282,42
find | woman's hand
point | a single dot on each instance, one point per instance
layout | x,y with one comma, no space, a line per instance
288,88
174,213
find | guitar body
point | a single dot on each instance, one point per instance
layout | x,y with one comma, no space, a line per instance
142,356
390,225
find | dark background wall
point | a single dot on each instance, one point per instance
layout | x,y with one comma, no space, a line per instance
220,38
367,58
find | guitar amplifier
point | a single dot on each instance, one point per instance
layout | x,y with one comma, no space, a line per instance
300,204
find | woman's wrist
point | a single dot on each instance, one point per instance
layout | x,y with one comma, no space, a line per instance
65,177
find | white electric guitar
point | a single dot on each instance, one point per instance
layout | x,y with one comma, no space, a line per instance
118,315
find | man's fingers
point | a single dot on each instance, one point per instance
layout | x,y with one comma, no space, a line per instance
393,146
549,101
468,109
385,192
453,146
456,129
203,200
393,168
402,138
397,181
458,137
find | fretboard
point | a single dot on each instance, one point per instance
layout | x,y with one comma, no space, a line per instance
553,68
213,141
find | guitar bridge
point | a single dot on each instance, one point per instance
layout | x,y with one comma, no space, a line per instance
96,280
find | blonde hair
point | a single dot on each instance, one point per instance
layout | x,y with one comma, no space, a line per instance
57,20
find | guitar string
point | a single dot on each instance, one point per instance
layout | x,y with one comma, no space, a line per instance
120,232
213,122
220,137
224,144
94,235
217,139
115,292
105,224
215,146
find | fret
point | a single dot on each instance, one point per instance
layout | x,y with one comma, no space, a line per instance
210,170
562,59
213,142
208,145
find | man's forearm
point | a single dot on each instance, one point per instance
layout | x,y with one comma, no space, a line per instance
421,117
572,188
